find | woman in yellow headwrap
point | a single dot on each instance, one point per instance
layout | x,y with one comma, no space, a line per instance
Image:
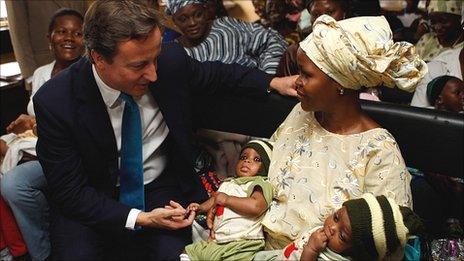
328,150
447,30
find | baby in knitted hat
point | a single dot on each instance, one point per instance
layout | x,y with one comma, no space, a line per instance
237,209
367,228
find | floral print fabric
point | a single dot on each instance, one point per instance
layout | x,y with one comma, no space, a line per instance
360,52
314,171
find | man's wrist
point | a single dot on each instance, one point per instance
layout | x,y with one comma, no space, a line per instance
272,85
141,219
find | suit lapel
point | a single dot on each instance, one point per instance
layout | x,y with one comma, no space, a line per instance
174,103
92,114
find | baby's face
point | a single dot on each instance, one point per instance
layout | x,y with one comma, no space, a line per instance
337,228
248,164
452,95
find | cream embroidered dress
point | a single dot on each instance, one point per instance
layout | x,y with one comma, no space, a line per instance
314,171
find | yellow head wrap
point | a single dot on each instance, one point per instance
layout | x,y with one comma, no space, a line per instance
359,52
445,6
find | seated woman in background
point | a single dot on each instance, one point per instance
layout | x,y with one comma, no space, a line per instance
328,150
446,93
65,42
225,39
22,185
447,32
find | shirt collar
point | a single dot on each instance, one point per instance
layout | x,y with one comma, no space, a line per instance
110,96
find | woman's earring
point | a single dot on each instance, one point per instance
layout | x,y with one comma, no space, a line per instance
341,91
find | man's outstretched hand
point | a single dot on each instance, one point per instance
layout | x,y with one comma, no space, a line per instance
172,217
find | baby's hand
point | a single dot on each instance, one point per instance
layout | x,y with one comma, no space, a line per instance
193,207
221,198
317,241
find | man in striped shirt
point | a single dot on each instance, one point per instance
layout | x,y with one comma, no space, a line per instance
225,39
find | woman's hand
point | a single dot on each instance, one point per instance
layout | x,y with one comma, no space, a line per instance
23,123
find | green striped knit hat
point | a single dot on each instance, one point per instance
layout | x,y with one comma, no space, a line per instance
264,149
378,230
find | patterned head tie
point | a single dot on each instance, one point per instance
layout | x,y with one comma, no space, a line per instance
446,6
359,52
174,5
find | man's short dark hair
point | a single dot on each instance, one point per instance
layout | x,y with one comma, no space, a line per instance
63,12
109,22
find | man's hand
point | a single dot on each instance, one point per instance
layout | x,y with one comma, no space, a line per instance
170,217
284,85
23,123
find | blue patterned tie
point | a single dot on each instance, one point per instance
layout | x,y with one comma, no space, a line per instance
131,178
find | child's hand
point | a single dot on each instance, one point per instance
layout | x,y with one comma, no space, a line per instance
317,241
193,207
220,198
210,217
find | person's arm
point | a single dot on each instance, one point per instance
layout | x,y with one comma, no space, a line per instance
67,182
3,148
316,244
203,207
252,206
219,78
386,173
170,217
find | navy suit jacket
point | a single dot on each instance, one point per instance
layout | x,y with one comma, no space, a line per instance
77,148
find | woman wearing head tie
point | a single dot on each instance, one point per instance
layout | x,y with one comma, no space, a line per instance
328,150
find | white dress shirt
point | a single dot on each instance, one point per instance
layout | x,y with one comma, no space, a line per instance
154,132
40,76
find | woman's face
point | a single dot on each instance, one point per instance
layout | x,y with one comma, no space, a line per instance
193,21
446,26
66,40
452,96
316,91
328,7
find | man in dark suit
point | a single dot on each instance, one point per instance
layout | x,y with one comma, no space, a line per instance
83,150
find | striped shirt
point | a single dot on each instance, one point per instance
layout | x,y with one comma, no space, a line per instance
234,41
